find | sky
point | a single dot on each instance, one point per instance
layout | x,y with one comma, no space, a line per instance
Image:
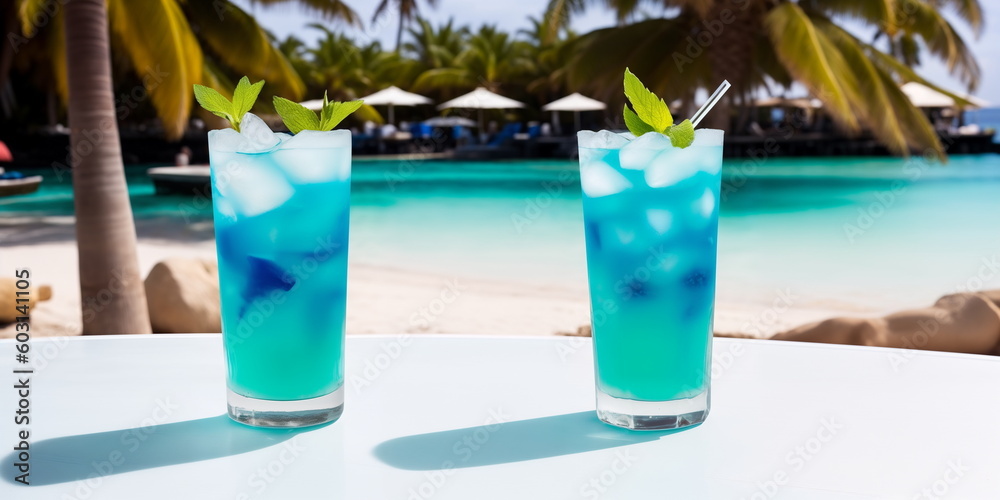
511,15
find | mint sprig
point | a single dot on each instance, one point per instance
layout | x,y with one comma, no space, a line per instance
652,114
298,118
244,97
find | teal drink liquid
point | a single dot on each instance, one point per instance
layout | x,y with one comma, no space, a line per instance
651,222
281,223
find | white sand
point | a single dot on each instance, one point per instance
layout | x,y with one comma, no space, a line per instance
380,299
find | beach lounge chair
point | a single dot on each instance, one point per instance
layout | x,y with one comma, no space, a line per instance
506,134
499,147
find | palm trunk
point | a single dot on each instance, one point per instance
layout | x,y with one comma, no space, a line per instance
399,32
731,56
111,288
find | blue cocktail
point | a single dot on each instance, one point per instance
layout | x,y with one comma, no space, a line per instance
651,221
281,222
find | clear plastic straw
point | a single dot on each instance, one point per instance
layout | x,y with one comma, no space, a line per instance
714,98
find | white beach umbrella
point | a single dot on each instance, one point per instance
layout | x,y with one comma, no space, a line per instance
395,96
923,96
313,104
976,102
576,103
481,99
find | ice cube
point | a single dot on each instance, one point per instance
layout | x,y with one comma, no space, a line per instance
625,235
669,262
253,184
711,163
660,220
638,154
672,166
605,139
225,209
257,136
314,156
705,204
600,179
707,137
224,140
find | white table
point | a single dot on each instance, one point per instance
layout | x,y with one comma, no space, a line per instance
788,421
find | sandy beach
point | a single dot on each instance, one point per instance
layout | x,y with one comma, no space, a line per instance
381,299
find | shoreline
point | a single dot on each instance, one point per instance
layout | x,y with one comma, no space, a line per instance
382,299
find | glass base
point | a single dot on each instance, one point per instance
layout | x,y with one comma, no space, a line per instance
653,415
296,413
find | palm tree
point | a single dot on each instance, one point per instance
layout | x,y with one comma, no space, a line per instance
551,56
490,58
435,48
114,300
346,71
172,44
758,43
111,286
407,11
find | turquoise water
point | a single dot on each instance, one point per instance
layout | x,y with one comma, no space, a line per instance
987,118
785,225
281,235
651,255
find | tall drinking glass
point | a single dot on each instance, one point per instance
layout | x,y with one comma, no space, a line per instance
281,209
651,214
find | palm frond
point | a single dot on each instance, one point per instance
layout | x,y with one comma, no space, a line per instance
877,98
444,78
238,42
941,39
812,59
970,11
653,49
27,13
164,53
331,10
878,13
557,16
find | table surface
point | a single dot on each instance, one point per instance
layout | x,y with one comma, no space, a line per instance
462,417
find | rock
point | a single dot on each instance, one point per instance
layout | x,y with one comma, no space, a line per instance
583,331
183,296
8,298
961,322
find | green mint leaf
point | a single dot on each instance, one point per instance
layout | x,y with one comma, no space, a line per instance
326,113
216,103
649,108
244,97
296,116
682,134
335,112
634,124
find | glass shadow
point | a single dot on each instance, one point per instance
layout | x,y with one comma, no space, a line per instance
72,458
508,442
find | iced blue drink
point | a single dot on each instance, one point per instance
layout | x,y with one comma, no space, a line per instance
281,206
651,215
